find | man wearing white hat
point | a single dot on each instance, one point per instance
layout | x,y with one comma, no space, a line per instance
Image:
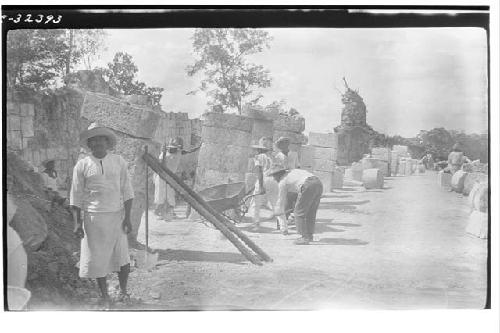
265,187
309,190
164,195
101,188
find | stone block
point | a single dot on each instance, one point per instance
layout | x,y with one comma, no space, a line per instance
323,165
306,156
14,122
26,143
140,122
16,140
222,157
326,179
288,123
354,173
371,163
27,110
227,120
329,140
444,179
458,180
373,178
13,109
478,224
381,153
325,153
223,136
27,127
473,178
30,225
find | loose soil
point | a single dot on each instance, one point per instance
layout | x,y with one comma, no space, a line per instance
400,247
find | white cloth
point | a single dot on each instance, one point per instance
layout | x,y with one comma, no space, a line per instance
101,185
163,191
290,161
291,182
49,182
17,260
104,248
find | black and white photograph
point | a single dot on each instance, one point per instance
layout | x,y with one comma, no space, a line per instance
247,159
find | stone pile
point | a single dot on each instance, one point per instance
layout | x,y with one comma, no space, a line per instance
46,233
383,154
320,158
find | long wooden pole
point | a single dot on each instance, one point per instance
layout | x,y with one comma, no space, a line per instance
220,217
173,181
147,207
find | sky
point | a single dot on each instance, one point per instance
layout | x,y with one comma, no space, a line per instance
411,79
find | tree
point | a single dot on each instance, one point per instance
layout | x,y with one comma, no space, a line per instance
221,54
38,58
90,42
121,76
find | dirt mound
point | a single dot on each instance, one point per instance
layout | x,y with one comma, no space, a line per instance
46,232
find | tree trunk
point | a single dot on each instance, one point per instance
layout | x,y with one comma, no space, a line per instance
70,51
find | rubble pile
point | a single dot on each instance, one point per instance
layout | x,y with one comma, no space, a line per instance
47,236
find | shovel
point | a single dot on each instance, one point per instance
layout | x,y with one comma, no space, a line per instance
146,260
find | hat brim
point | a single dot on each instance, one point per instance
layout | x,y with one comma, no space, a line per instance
260,147
44,162
283,139
98,131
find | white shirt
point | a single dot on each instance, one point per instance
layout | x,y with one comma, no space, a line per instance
101,185
290,161
264,161
291,182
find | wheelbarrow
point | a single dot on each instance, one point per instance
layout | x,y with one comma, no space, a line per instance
228,199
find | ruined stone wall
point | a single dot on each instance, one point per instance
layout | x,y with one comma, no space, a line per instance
172,125
224,153
41,127
353,143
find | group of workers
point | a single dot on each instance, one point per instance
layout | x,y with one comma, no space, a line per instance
101,199
285,187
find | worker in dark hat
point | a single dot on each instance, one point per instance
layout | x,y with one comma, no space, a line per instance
101,188
309,190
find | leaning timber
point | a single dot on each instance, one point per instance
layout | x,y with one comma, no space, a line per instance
222,224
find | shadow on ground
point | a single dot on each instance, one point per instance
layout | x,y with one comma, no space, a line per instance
340,196
339,241
188,255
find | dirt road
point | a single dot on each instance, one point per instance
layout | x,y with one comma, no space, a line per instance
401,247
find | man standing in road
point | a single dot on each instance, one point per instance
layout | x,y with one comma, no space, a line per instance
101,188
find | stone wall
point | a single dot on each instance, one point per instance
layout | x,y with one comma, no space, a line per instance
223,156
43,127
172,125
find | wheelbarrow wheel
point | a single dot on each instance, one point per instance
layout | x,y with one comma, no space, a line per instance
234,215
